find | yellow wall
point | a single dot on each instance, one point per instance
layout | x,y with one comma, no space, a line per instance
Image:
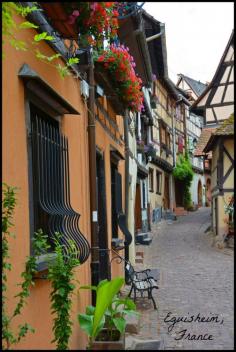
156,199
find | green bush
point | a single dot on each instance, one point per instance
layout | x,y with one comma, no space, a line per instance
184,172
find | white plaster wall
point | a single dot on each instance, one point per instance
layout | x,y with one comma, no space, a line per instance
132,195
194,187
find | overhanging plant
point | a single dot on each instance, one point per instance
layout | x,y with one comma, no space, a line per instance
116,313
12,34
93,321
93,21
120,65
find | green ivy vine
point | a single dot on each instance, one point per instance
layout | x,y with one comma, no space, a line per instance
10,28
183,171
9,337
60,274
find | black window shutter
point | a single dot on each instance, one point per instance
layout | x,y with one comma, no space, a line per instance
118,192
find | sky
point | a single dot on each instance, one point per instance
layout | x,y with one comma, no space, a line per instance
196,35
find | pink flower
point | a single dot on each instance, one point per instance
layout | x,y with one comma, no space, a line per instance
72,17
75,13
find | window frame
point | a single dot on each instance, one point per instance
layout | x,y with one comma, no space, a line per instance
159,182
151,179
33,99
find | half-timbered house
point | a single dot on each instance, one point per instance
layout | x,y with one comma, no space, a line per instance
221,143
216,104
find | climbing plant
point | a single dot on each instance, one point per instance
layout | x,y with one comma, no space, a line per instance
183,171
11,32
61,275
9,337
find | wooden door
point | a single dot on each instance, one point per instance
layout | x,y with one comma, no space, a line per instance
199,192
179,193
138,214
166,193
102,219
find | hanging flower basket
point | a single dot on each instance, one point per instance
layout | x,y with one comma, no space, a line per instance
120,65
89,23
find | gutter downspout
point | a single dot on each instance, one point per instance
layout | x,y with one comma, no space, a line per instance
95,264
126,138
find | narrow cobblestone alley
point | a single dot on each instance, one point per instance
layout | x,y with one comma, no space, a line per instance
195,278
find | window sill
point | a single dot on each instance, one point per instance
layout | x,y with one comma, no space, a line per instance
151,190
158,193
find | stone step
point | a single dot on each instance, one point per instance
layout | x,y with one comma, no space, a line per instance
139,254
133,324
132,343
168,215
180,211
143,238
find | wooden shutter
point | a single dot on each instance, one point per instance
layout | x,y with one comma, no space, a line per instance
118,192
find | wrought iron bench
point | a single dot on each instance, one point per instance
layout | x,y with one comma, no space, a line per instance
140,281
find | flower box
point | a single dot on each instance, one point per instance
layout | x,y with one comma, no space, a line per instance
101,343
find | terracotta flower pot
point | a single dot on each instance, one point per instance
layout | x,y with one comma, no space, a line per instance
117,344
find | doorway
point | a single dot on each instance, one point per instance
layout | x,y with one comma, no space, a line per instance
215,202
138,215
179,199
199,193
102,218
166,193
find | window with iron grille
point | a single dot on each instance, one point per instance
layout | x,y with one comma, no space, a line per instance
50,190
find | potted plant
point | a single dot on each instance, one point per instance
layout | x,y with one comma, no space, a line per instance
88,22
120,65
105,323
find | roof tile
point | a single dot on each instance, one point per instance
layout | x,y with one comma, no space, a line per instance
203,139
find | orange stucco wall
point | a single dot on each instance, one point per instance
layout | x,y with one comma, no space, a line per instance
15,173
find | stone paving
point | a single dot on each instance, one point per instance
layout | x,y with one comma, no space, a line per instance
196,279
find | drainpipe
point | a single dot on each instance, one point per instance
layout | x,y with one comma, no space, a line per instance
126,137
95,265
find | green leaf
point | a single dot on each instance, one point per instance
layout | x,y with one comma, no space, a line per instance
28,25
18,44
105,293
72,61
63,71
86,323
61,292
120,324
42,36
90,310
90,287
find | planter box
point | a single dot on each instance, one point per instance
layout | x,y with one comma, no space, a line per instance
119,344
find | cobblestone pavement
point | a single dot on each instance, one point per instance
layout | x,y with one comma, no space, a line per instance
195,278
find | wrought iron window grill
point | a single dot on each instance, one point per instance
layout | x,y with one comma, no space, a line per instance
50,161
